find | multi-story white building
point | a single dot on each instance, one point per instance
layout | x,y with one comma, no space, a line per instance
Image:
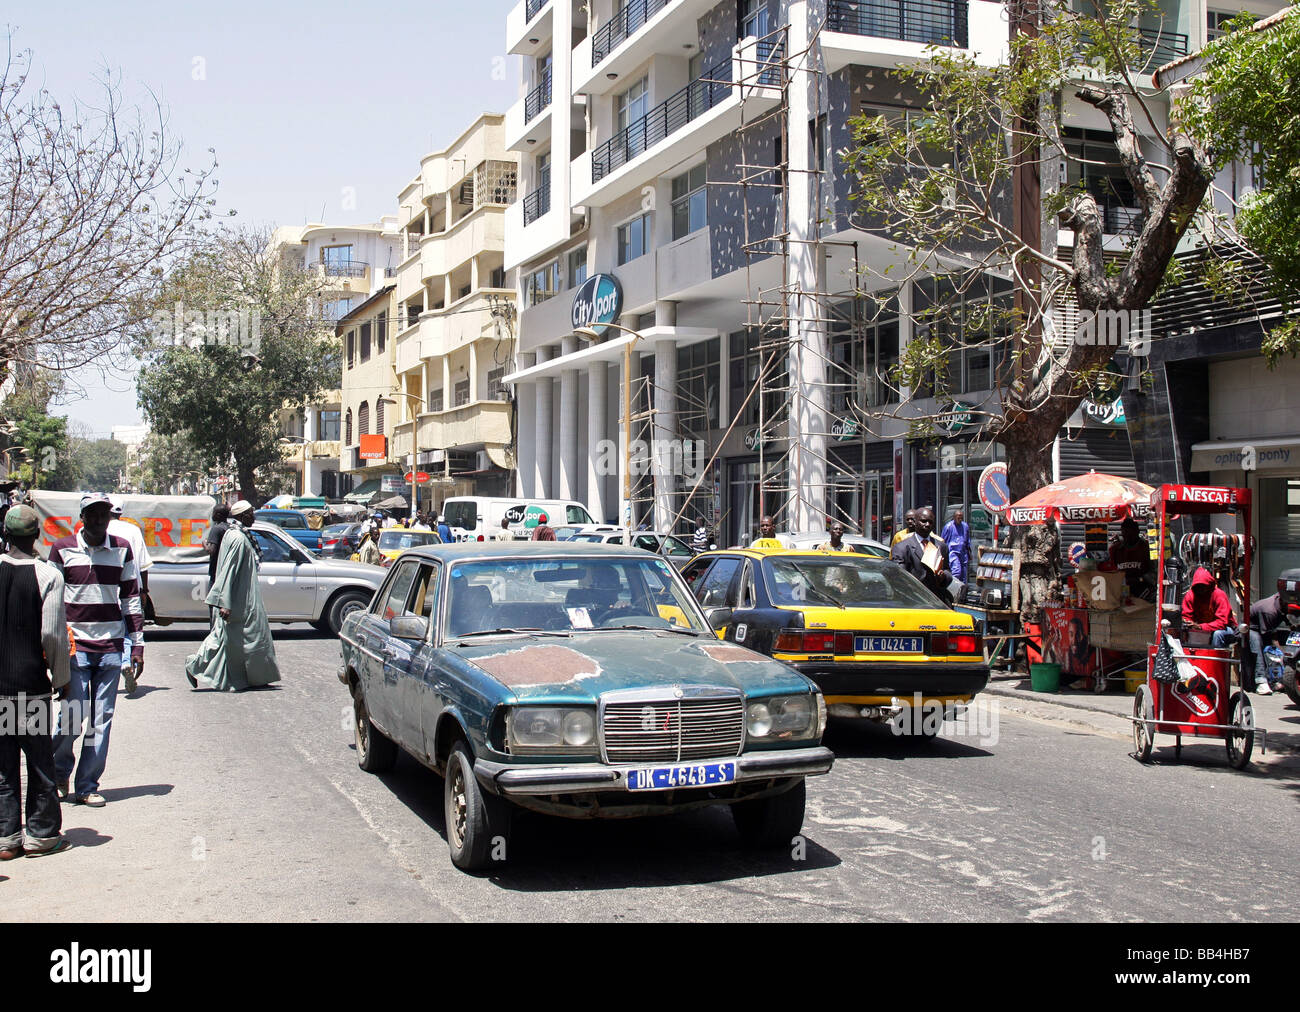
665,143
454,317
355,262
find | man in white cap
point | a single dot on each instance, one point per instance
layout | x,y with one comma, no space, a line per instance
238,653
131,532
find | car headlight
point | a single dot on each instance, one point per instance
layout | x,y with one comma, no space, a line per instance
780,718
551,729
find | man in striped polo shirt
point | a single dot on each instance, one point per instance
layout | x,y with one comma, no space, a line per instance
102,595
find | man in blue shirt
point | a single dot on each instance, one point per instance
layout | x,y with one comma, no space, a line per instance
444,530
957,535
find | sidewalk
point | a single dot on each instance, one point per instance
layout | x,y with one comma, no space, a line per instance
1110,711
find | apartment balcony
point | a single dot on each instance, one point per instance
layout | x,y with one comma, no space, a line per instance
705,111
344,268
528,20
402,442
885,33
623,43
473,424
538,202
320,449
1156,47
528,121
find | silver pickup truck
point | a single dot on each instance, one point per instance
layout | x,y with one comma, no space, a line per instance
296,585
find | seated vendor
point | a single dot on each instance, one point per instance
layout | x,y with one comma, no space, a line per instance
1206,609
1130,553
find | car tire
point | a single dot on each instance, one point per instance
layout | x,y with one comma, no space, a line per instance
476,822
772,822
375,752
341,606
1240,743
1289,684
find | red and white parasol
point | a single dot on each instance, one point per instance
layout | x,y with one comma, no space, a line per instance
1089,498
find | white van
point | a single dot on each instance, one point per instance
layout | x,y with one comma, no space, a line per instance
472,517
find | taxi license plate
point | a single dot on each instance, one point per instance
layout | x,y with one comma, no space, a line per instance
888,644
1293,639
666,778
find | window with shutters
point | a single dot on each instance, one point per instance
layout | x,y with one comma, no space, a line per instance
379,416
347,437
365,342
363,418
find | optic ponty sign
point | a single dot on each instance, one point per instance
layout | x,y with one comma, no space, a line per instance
599,302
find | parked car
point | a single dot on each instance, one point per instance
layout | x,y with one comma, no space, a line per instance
810,540
294,523
393,541
671,547
864,629
570,531
472,516
296,586
340,541
575,681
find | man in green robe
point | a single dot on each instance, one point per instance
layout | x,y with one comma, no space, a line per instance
238,653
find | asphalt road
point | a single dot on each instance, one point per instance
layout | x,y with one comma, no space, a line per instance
251,807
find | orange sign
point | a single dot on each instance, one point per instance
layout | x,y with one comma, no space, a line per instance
374,447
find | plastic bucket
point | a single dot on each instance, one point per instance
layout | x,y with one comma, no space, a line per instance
1045,677
1133,679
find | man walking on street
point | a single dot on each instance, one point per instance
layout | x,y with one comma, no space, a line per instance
212,545
102,594
956,534
34,628
238,653
444,530
135,539
909,525
925,556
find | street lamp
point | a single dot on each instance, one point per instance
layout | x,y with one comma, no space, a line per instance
419,400
590,332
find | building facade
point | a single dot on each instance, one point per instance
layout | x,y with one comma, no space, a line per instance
354,262
453,337
686,149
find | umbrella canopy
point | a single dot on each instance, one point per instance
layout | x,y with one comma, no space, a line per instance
395,503
1099,498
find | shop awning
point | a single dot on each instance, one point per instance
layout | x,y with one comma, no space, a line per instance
1230,454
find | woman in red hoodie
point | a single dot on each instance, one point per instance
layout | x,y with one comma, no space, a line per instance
1206,609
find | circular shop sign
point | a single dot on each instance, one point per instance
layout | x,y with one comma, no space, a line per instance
599,302
993,490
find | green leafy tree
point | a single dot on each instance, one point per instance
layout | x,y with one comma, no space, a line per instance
966,186
39,451
1246,107
161,461
223,379
99,463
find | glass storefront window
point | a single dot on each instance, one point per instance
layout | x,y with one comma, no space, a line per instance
1279,530
947,480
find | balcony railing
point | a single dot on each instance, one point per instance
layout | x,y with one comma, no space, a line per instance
932,22
532,8
344,268
623,26
538,202
1156,46
696,98
539,98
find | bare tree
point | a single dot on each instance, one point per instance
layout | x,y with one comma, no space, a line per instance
95,202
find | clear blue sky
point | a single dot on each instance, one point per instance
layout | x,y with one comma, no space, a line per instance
300,100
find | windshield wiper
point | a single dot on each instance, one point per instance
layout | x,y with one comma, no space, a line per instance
812,588
509,632
649,628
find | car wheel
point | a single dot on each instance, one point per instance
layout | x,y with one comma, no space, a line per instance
1289,684
774,821
477,823
342,606
375,752
1239,743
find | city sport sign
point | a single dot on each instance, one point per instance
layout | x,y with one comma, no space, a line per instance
598,303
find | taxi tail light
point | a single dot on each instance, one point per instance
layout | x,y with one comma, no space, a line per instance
844,643
965,643
818,642
789,641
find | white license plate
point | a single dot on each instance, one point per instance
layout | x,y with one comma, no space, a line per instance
888,644
1293,639
667,778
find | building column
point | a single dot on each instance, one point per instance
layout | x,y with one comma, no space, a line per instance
600,452
809,348
526,430
568,423
544,444
665,447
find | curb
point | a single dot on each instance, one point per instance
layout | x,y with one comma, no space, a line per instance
1051,699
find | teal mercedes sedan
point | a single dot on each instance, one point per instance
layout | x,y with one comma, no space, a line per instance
578,681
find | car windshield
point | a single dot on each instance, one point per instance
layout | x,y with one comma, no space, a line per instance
399,541
850,580
568,595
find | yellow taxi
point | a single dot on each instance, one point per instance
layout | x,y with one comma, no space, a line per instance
393,541
878,644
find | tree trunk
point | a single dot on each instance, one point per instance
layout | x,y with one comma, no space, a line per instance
247,482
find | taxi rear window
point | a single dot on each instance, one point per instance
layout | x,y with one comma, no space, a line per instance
853,581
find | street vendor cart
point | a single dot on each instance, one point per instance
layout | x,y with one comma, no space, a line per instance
1188,690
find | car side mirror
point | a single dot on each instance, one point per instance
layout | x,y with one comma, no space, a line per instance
409,627
718,617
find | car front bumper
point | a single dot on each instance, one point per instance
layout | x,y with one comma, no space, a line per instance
585,778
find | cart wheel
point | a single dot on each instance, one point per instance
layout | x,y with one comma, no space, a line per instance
1143,730
1239,743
